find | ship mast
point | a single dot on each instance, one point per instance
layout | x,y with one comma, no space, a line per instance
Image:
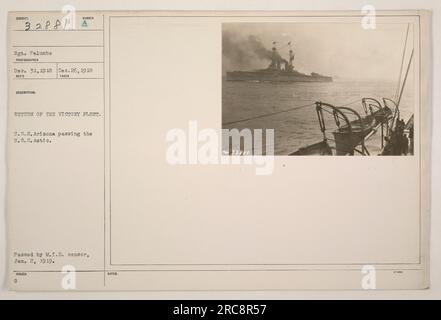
275,58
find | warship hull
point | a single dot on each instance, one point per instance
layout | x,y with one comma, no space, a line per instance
264,76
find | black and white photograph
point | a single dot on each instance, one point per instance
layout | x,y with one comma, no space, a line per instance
324,88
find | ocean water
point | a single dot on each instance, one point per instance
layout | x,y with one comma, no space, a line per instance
298,128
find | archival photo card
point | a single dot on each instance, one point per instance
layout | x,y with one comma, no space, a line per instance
169,150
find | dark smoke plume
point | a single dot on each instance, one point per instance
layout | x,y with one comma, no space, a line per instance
243,53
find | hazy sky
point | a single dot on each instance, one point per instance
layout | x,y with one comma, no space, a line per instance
339,50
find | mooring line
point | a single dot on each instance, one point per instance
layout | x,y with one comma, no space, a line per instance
268,114
349,103
281,111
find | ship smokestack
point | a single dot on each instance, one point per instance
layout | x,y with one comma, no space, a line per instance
291,60
276,59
